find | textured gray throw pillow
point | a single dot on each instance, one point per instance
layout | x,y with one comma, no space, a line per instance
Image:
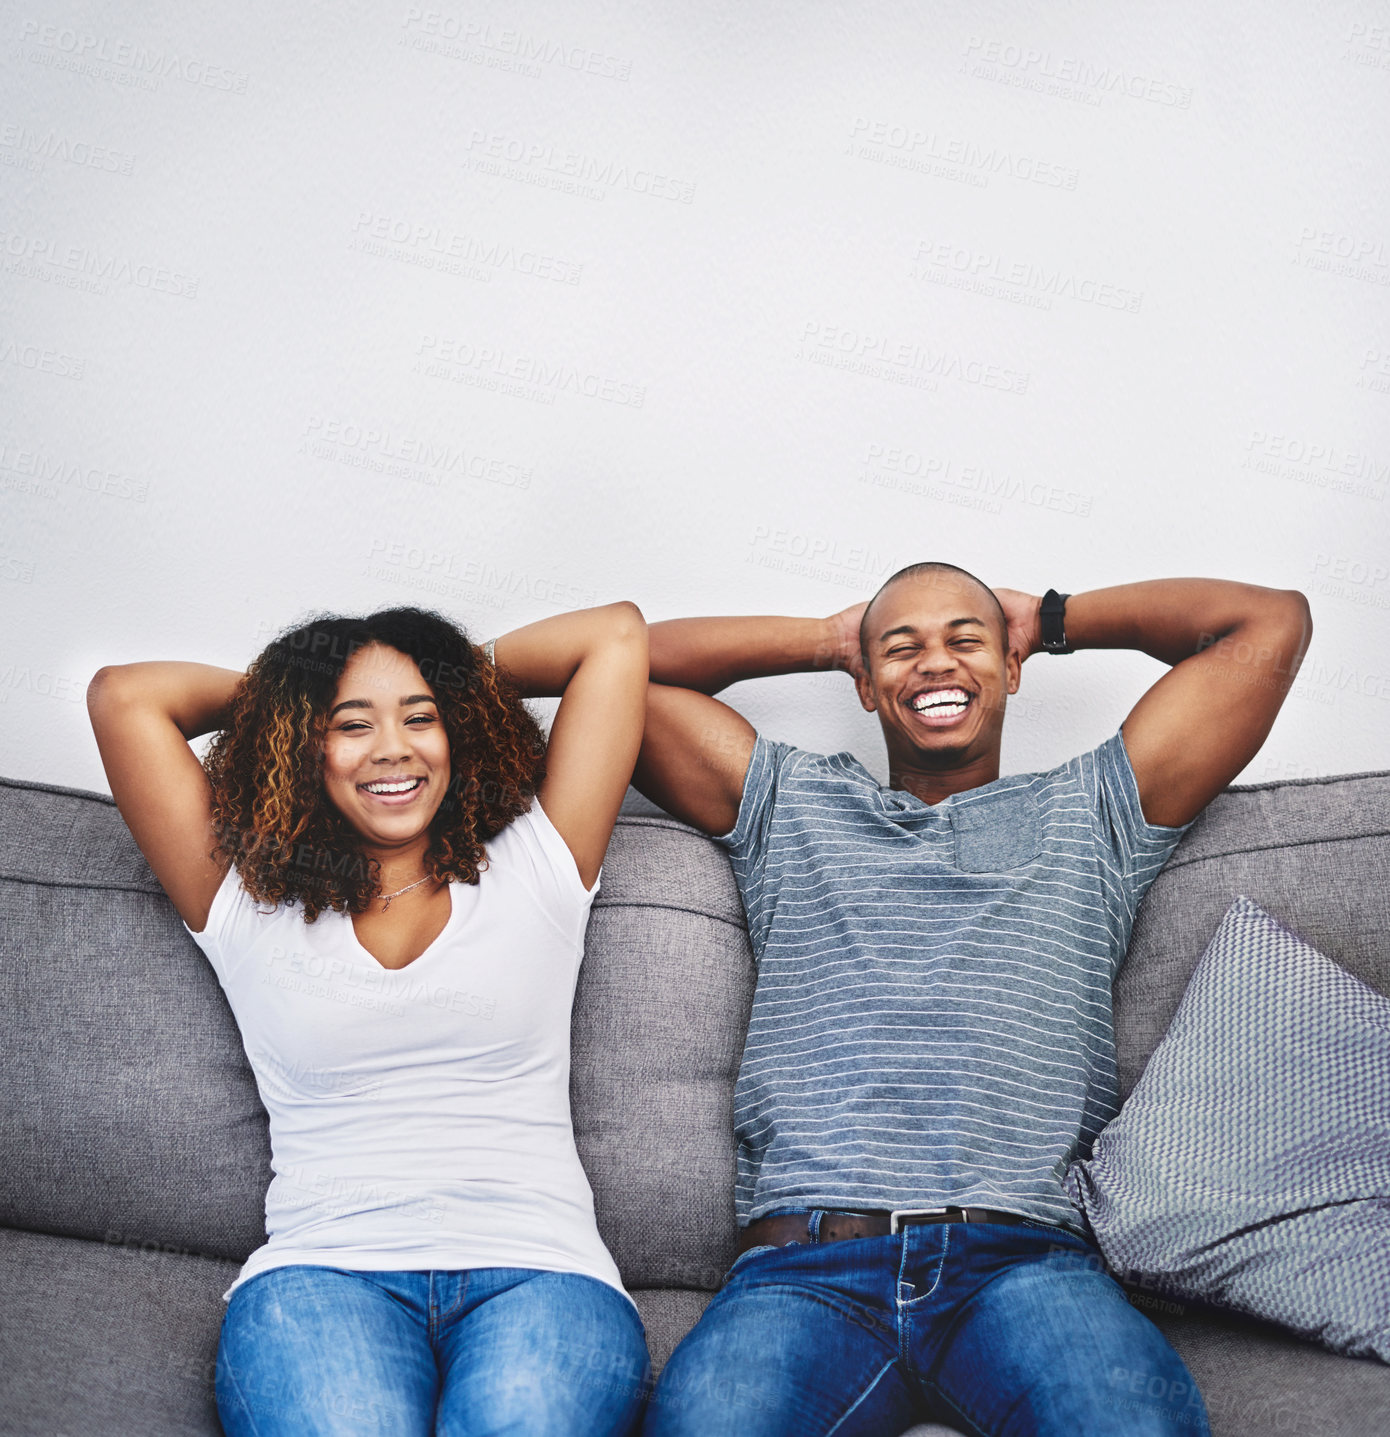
1250,1166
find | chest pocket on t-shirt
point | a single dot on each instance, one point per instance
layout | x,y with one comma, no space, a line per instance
997,832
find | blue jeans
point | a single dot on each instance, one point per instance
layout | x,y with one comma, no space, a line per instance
311,1350
990,1328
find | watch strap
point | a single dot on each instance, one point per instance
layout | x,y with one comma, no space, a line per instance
1050,618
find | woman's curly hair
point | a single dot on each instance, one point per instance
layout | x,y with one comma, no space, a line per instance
272,816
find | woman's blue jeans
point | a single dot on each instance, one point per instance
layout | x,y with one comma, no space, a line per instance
993,1329
311,1350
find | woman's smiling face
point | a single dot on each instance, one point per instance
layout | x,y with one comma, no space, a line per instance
386,752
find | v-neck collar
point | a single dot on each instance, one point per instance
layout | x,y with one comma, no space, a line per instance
419,957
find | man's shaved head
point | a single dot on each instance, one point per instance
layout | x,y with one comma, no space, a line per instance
926,573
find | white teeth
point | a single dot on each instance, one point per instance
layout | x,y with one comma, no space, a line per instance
402,786
943,701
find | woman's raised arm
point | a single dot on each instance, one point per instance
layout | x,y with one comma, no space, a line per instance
596,660
143,716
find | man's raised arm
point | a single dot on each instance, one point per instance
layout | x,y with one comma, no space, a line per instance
695,750
1235,649
710,654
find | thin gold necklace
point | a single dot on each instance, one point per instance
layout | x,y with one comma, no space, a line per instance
386,898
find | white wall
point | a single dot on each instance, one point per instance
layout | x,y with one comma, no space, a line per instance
748,305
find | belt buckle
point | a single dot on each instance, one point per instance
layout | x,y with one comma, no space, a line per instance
910,1212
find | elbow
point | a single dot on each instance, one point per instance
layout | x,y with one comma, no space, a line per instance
1284,611
1295,629
626,622
618,632
105,688
1300,613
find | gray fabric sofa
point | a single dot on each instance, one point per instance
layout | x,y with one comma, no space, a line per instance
136,1153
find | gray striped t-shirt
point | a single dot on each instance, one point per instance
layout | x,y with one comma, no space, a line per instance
932,1019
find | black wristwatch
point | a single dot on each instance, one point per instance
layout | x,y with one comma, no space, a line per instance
1054,635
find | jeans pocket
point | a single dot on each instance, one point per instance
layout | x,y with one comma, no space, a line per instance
997,832
743,1256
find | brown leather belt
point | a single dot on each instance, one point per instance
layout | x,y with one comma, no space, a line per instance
781,1228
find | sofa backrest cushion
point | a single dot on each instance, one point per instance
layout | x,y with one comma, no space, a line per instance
1314,853
131,1115
659,1019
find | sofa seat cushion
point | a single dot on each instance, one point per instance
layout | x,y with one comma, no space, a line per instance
1258,1381
102,1337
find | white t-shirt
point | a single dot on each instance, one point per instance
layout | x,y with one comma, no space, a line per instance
420,1117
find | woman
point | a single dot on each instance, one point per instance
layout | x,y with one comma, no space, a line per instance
391,875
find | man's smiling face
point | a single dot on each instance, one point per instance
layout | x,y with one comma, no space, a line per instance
937,670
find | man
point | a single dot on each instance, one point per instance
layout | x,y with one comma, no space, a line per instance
930,1044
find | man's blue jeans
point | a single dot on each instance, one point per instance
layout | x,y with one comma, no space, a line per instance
990,1328
317,1350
